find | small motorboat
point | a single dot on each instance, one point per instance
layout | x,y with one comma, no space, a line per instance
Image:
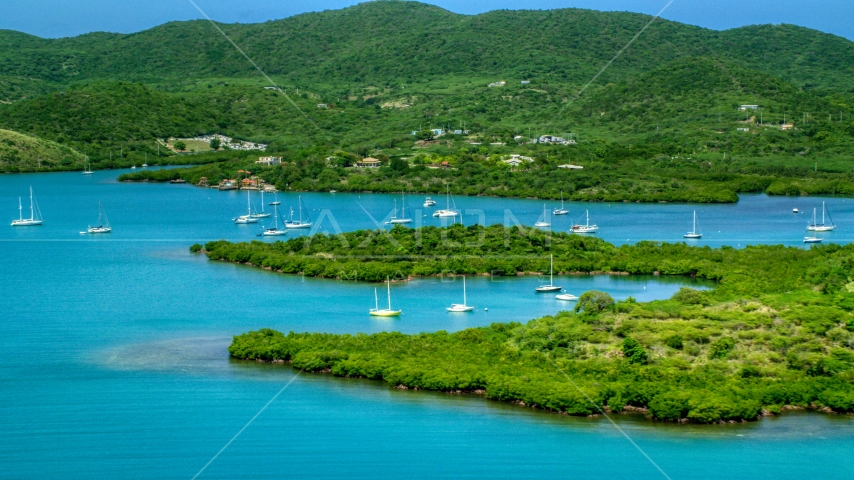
568,297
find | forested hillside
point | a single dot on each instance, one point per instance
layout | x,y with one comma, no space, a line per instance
408,42
362,79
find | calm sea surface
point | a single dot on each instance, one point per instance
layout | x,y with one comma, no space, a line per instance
114,362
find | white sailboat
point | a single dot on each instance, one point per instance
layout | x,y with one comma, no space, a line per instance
461,307
551,287
103,223
88,170
586,228
429,202
299,223
812,239
385,312
244,219
821,227
694,233
561,210
448,211
35,213
543,223
263,214
395,220
275,231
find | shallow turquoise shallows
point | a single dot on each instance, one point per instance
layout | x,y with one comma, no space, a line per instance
114,357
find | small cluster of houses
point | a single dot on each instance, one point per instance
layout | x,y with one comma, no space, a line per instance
438,132
514,160
231,143
249,182
554,140
501,83
269,161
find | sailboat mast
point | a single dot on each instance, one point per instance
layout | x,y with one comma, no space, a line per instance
20,210
31,204
822,207
300,209
376,300
465,301
388,283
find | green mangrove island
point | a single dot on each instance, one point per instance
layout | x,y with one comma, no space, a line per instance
774,333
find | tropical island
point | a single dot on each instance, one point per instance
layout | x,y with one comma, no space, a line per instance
775,332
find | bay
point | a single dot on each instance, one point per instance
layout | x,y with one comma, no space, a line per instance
115,366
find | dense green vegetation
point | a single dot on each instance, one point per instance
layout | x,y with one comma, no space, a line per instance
776,329
611,173
23,152
385,69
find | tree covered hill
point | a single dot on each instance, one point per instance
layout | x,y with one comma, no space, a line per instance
408,42
107,112
20,152
694,87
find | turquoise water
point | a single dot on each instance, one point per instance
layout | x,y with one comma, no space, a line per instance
114,360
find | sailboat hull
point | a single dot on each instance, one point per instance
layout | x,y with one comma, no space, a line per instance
298,225
693,235
812,240
459,308
584,229
94,230
567,297
26,223
547,288
445,213
385,313
398,221
820,228
274,232
542,224
560,212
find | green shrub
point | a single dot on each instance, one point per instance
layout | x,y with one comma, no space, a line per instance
721,347
634,351
594,301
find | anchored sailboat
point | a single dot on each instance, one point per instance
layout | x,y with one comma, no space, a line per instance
248,218
551,287
386,312
813,239
299,223
543,223
821,227
586,228
694,233
429,202
561,210
263,214
275,231
461,307
35,213
448,211
403,219
103,223
88,170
